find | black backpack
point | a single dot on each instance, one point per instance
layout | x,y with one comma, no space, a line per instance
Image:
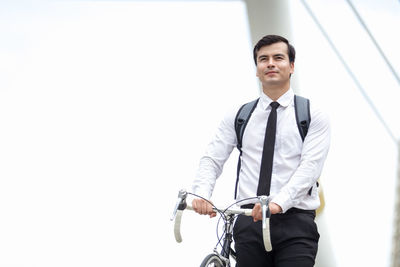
303,119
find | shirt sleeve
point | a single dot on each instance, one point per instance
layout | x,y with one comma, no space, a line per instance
217,153
313,155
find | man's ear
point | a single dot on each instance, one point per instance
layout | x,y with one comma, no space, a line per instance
291,67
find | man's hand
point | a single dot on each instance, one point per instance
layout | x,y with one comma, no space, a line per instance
257,211
203,207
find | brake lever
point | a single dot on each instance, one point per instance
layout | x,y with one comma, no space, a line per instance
266,213
180,204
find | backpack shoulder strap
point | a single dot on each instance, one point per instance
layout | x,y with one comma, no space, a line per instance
303,117
242,117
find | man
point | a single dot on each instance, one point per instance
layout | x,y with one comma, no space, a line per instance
296,166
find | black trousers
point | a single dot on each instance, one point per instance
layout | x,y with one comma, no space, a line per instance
294,238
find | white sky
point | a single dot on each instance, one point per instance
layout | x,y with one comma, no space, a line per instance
106,108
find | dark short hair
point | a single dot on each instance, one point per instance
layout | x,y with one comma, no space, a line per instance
272,39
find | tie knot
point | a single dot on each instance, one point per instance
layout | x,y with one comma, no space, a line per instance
274,105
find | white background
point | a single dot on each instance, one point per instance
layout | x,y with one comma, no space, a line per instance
106,108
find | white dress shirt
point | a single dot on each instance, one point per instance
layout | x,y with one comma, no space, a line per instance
296,167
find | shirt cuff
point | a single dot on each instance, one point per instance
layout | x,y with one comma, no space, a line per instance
202,193
283,200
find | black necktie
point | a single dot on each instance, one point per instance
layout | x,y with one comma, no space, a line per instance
264,182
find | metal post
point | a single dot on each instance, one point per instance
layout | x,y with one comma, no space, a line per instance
270,17
396,228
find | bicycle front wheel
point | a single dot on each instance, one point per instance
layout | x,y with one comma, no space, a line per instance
212,260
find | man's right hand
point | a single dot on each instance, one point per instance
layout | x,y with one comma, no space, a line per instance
203,207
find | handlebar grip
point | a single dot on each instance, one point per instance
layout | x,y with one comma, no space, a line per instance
267,236
177,226
248,212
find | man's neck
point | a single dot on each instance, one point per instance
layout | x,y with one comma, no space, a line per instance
275,92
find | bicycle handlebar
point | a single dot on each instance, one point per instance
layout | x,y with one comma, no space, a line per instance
181,205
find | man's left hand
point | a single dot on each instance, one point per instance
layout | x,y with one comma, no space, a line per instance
257,211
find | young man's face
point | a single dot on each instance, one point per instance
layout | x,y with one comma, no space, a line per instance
273,66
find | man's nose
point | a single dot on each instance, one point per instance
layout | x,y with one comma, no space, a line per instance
271,62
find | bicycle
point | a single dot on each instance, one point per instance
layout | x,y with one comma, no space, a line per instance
228,215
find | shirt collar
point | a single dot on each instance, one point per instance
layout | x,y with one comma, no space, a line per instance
283,101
